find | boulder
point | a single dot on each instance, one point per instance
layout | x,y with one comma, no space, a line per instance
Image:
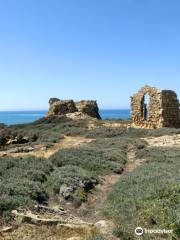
89,107
103,226
78,115
20,150
88,184
18,140
61,107
66,191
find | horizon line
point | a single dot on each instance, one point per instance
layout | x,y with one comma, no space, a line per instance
36,110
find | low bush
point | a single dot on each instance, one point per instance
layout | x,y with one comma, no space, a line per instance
26,188
106,132
122,131
97,237
151,200
15,193
159,154
26,167
101,156
163,131
68,175
89,158
117,145
21,182
8,203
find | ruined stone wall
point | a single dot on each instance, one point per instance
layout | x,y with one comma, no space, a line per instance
170,109
63,107
163,109
89,107
155,112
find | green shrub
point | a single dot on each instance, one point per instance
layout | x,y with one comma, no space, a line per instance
159,154
97,237
151,200
106,132
121,131
8,203
77,180
21,182
21,187
20,193
45,130
27,167
101,156
163,131
69,175
90,159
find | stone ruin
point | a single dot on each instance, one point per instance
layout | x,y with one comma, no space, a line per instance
155,108
80,109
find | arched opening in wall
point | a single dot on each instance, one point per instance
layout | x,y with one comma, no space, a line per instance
145,106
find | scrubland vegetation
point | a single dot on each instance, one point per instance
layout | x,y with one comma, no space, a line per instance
152,198
149,196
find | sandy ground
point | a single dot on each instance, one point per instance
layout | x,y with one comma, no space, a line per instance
164,141
66,142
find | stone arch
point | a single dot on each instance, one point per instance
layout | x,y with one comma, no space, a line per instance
146,114
145,103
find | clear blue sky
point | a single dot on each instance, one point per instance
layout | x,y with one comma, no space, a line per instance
86,49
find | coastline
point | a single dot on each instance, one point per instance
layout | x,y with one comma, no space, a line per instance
19,117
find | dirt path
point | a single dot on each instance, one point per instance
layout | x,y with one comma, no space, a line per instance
91,211
67,142
132,162
40,151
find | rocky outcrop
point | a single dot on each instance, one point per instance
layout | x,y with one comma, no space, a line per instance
88,107
83,185
61,107
53,100
81,108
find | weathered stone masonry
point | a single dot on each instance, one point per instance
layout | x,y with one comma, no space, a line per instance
163,109
63,107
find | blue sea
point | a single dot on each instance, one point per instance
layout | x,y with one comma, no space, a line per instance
15,117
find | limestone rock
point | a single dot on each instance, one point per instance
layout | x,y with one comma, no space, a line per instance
61,107
6,229
77,115
18,140
53,100
21,149
89,107
74,110
103,226
66,191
